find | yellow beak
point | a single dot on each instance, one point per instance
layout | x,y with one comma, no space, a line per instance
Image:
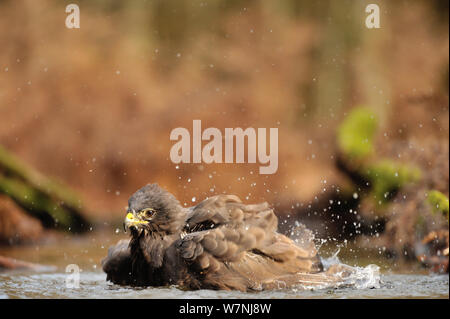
130,221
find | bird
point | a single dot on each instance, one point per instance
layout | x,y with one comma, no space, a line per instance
220,244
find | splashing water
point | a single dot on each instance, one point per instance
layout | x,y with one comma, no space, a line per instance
337,273
334,259
356,277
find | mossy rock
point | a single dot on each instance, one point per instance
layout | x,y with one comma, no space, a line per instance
54,204
439,202
387,177
356,133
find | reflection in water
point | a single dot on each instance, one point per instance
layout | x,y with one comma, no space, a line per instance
87,252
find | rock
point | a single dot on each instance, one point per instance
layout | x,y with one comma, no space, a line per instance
7,263
16,226
54,204
434,251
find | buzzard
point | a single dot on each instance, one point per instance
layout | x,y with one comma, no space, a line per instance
221,243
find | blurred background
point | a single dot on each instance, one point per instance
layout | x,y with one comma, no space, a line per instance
362,114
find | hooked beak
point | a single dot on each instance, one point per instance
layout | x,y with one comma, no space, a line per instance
131,221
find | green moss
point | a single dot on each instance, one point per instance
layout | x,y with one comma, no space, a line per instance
53,203
439,202
13,166
36,202
356,133
387,177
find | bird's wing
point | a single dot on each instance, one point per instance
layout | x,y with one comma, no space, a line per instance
222,210
228,229
117,265
208,248
213,211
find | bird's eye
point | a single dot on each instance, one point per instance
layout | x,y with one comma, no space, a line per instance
148,213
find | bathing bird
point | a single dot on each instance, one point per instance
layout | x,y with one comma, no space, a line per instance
221,243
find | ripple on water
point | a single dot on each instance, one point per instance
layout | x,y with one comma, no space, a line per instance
94,285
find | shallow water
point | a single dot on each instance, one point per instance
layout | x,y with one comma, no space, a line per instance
93,285
87,252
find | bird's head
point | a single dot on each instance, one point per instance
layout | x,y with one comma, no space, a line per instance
155,211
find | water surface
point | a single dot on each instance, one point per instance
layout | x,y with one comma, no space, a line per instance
87,251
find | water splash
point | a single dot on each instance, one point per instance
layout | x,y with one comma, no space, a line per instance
334,259
365,277
357,277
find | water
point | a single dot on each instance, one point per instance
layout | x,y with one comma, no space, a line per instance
87,252
93,285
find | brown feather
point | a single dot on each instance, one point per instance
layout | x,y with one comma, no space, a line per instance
221,243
